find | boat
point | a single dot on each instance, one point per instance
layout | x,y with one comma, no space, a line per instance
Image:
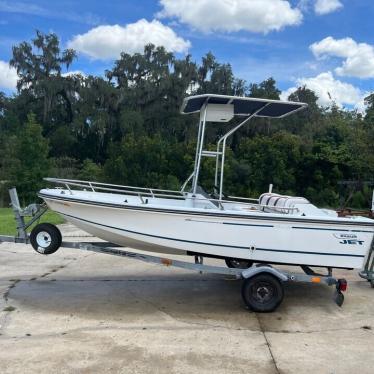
272,229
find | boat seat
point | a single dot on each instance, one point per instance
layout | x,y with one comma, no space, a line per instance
272,202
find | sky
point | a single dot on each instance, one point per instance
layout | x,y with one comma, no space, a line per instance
327,45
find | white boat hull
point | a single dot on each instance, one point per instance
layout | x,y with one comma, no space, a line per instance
270,240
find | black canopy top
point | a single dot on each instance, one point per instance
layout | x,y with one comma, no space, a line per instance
243,106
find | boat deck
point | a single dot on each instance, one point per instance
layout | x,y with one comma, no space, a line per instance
198,202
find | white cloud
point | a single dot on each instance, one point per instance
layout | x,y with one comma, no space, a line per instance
8,76
327,6
74,72
232,15
329,90
358,57
108,41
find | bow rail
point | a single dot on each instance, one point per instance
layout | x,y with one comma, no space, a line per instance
144,192
95,186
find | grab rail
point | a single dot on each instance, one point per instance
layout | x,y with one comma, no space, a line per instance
162,193
105,186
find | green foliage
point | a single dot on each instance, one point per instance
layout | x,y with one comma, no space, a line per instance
65,167
147,161
369,101
39,65
269,159
126,128
29,163
266,89
8,223
90,171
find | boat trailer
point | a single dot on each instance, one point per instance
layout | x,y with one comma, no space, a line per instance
262,288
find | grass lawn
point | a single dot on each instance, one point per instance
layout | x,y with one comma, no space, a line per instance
8,223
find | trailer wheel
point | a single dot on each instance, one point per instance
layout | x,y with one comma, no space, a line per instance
262,292
45,238
238,263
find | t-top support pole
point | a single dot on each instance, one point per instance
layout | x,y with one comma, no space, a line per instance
199,147
223,141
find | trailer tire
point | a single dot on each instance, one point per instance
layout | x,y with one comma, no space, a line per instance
45,238
237,263
262,293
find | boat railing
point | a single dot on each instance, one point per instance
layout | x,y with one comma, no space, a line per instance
143,193
95,186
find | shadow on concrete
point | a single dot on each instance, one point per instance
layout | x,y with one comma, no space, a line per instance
174,294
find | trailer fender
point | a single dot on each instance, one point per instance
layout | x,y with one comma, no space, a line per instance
249,273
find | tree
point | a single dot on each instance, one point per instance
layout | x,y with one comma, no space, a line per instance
126,127
307,121
266,89
209,64
272,159
39,67
29,160
369,102
148,161
90,171
95,124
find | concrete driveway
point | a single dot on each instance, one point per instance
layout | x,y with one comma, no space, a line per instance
81,312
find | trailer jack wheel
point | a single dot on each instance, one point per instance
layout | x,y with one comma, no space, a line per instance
237,263
338,298
45,238
341,286
262,293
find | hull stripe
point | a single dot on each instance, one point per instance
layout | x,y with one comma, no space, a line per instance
245,224
325,229
211,244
